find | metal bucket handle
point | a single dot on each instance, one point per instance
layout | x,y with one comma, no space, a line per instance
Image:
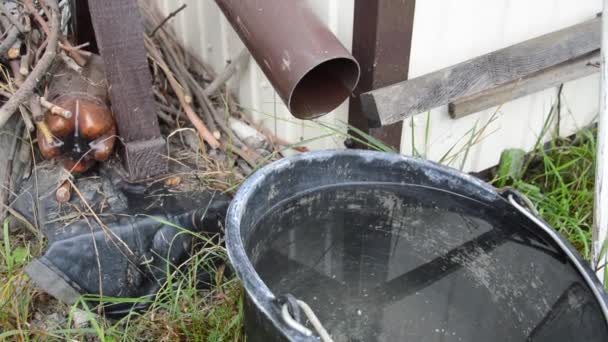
291,310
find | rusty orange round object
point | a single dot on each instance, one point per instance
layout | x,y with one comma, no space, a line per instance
88,135
47,150
102,149
59,126
93,116
78,166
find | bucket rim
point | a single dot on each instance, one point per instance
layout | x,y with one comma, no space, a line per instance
263,298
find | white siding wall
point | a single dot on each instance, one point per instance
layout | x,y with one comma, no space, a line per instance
452,31
445,32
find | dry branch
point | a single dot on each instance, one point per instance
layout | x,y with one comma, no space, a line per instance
64,42
227,73
70,62
26,90
171,15
15,50
24,65
186,76
196,121
15,67
55,109
64,192
9,40
36,108
29,125
14,20
185,79
166,118
78,49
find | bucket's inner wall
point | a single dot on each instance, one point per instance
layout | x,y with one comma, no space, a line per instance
394,262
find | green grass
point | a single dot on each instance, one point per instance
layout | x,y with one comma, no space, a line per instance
559,179
16,294
179,312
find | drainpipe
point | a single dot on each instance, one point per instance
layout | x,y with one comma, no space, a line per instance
310,69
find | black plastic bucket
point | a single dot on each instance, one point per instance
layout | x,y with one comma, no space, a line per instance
384,247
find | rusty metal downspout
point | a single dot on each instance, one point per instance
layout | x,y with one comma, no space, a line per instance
310,69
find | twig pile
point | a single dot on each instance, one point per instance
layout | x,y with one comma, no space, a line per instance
32,41
188,93
187,90
32,38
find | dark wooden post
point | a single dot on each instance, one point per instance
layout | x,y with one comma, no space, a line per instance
120,38
382,37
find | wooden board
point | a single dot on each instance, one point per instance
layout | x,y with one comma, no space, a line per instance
382,36
550,77
396,102
119,34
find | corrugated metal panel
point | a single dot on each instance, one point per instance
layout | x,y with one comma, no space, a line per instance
445,33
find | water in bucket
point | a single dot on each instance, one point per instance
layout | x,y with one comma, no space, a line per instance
394,262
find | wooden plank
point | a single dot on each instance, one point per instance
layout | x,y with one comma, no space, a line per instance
600,207
119,32
382,36
547,78
399,101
